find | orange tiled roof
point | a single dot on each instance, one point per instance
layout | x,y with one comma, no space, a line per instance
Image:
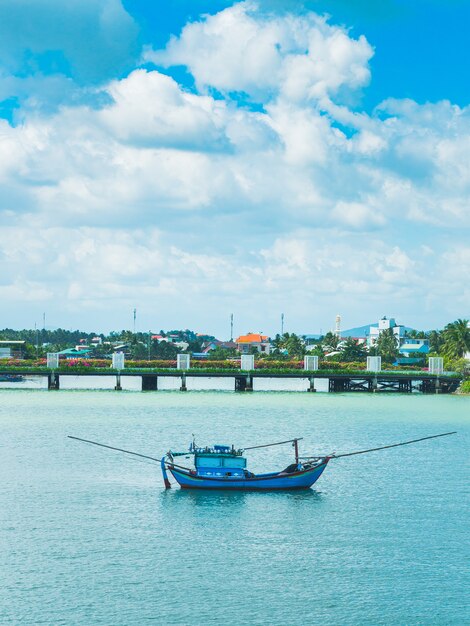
252,338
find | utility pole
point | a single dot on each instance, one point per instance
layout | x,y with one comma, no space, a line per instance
150,333
44,321
282,324
37,339
231,327
135,315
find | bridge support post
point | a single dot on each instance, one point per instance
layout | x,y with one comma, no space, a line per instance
118,382
311,387
374,384
240,383
53,381
149,382
183,382
438,385
249,383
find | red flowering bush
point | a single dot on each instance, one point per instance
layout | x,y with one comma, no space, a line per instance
75,364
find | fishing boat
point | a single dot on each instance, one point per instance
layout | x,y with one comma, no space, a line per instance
225,467
11,378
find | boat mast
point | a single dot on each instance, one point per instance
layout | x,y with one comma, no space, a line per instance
296,448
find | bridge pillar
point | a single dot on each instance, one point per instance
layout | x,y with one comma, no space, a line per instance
183,382
149,382
118,382
311,387
240,383
438,385
249,383
405,386
53,381
374,384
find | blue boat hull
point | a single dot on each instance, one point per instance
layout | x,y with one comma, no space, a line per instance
302,479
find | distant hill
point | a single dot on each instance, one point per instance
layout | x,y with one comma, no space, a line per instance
359,331
363,331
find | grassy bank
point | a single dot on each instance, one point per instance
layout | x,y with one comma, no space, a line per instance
230,371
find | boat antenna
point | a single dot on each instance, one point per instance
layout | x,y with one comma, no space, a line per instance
103,445
394,445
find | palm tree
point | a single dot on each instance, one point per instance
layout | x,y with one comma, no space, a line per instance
456,339
436,341
387,345
352,351
330,341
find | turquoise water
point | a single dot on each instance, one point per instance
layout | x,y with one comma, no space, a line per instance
88,536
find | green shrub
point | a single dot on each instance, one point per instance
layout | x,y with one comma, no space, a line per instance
465,386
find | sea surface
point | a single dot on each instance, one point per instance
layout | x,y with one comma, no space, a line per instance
89,536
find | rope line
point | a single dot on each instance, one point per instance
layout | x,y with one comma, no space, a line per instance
394,445
102,445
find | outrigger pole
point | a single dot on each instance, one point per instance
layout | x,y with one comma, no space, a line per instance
102,445
393,445
295,442
278,443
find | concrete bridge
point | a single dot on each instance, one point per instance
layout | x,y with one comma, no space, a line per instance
358,382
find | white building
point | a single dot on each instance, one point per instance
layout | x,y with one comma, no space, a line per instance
385,324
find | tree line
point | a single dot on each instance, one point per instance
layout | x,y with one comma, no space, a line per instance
453,342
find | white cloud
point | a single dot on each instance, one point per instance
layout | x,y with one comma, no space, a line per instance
358,215
301,58
191,196
150,109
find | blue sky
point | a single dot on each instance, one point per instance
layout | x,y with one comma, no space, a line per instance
421,46
194,159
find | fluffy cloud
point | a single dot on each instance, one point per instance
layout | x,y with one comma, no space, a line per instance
96,269
302,58
162,192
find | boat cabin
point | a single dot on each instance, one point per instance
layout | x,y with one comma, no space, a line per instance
219,461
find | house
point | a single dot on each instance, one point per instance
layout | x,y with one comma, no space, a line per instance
79,352
82,347
414,346
253,340
172,338
12,349
208,346
122,347
182,345
412,352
